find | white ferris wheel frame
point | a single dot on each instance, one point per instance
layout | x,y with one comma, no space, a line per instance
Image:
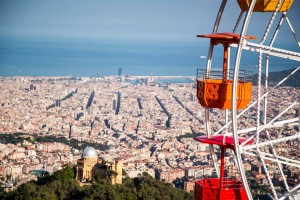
249,149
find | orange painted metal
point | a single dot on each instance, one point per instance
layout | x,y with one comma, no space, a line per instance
226,37
215,93
266,5
225,61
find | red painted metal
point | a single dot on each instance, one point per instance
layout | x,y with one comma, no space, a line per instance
226,37
222,167
221,140
209,189
220,188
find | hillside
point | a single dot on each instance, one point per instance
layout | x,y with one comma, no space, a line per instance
61,185
275,77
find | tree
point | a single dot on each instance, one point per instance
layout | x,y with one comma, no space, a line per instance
67,173
61,185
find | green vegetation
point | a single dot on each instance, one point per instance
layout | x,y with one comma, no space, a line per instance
61,185
275,77
69,95
259,191
63,99
21,137
13,138
51,106
189,135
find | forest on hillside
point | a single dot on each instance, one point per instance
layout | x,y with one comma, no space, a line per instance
62,185
275,77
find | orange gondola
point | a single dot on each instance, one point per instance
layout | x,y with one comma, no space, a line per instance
214,88
266,5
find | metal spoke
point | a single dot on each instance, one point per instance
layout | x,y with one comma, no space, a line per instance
277,124
234,90
274,119
262,144
277,52
252,104
290,193
271,159
292,29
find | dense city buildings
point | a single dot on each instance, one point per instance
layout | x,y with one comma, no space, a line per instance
146,126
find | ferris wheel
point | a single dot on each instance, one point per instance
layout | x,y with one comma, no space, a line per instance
260,134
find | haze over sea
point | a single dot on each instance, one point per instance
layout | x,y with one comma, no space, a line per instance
59,38
58,57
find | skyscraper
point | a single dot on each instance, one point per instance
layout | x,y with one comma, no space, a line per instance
114,104
57,103
120,71
70,130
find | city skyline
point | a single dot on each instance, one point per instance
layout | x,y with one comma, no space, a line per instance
149,126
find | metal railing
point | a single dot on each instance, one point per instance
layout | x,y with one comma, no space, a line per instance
231,179
217,74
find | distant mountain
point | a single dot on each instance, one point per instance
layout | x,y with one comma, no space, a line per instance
275,77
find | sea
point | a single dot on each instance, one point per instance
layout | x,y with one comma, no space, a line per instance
23,56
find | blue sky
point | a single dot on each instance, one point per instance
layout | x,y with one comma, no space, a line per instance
106,19
142,35
162,20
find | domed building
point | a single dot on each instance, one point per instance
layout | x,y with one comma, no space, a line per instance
86,164
89,152
89,165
